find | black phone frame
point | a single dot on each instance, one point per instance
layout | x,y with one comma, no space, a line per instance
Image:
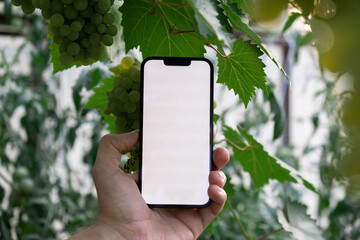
176,61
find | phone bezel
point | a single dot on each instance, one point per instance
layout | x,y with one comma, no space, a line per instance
176,61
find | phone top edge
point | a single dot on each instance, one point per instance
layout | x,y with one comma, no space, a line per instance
179,59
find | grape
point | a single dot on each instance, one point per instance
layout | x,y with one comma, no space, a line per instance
80,20
109,18
58,39
125,82
127,62
107,40
124,97
130,107
27,185
118,91
134,96
28,7
20,173
96,19
65,30
66,59
117,71
112,30
46,13
16,2
70,12
97,53
85,43
104,5
107,110
73,48
57,20
73,36
87,12
75,26
80,55
89,28
135,75
67,1
102,28
80,5
45,4
120,122
113,109
95,39
57,6
36,3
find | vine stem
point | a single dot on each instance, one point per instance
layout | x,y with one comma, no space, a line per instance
233,145
174,30
237,220
269,234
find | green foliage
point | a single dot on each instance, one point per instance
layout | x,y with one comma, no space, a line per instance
290,21
239,25
256,161
210,25
99,101
295,220
158,29
242,70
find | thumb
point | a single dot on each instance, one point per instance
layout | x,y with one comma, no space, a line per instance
112,146
122,142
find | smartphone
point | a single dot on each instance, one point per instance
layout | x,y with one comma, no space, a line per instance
176,131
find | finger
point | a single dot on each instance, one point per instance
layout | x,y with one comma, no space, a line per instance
111,147
217,178
218,199
135,176
220,158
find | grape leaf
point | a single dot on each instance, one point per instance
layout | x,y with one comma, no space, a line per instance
245,5
256,161
276,110
242,70
290,21
99,100
295,220
207,17
146,24
239,25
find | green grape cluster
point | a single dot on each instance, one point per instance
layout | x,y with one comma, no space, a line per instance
26,5
123,102
81,28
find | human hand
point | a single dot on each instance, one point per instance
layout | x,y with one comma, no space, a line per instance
123,213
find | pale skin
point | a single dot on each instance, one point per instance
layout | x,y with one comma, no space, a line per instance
123,213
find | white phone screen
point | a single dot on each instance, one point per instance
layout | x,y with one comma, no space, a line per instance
176,141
